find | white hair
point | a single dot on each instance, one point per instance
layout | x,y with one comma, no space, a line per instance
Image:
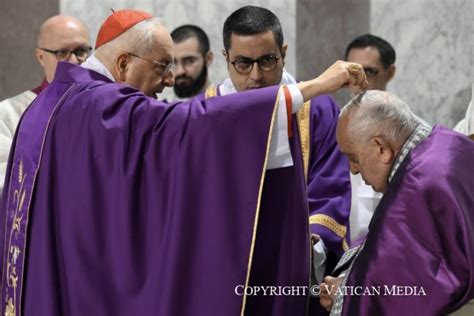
138,39
379,113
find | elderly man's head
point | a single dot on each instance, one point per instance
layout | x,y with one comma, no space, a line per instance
62,38
371,130
141,57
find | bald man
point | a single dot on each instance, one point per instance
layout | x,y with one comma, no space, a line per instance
61,38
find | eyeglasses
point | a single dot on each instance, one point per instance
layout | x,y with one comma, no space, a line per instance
81,53
161,68
244,65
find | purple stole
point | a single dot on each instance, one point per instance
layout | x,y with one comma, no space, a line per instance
29,143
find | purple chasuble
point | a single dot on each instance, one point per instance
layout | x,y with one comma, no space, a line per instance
329,185
421,237
139,207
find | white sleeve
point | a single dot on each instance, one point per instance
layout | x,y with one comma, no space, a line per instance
280,153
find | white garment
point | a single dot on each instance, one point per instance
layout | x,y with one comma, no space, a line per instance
466,125
280,153
363,203
10,112
93,63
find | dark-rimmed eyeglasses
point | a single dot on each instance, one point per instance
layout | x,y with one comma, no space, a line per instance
244,65
81,53
162,68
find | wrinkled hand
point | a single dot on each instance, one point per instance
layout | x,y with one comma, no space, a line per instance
343,74
328,291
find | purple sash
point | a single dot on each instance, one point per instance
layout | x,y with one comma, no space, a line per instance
24,166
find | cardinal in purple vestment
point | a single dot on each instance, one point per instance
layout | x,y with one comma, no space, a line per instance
118,204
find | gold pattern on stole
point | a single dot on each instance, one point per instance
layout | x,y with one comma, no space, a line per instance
332,225
303,118
211,91
18,199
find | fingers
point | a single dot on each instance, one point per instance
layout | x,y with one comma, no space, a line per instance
315,238
357,79
329,280
326,303
325,298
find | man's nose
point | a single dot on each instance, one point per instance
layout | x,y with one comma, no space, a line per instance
74,60
256,74
168,79
178,69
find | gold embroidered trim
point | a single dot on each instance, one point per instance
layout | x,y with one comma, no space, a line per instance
345,246
303,118
211,91
329,223
14,252
257,211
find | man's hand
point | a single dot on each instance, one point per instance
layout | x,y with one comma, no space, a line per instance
315,238
328,291
340,74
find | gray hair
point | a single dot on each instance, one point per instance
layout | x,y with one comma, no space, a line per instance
381,113
138,39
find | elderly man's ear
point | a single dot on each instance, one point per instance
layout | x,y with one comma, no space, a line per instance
385,150
121,66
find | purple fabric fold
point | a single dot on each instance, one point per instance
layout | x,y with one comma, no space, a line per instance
329,187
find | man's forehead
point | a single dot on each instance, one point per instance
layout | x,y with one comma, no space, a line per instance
67,39
256,44
188,47
364,54
342,135
163,45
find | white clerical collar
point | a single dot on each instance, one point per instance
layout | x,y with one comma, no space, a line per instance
227,87
93,63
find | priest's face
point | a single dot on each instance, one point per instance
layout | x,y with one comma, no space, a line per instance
255,61
369,158
62,38
191,68
149,72
369,57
